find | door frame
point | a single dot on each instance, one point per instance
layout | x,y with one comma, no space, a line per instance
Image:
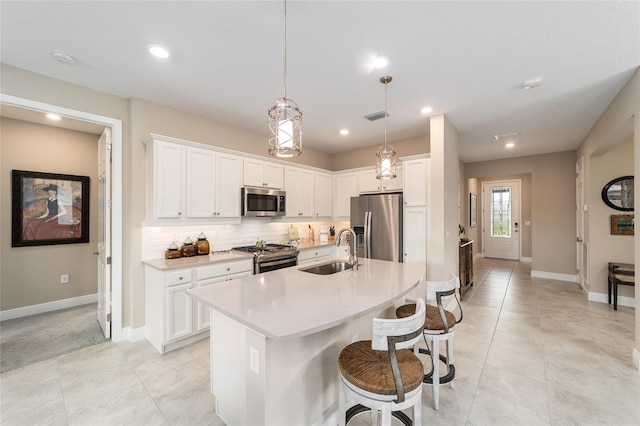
116,188
485,220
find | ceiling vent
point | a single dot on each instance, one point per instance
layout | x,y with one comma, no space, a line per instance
376,116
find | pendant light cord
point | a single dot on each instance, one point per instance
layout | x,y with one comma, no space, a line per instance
386,114
285,46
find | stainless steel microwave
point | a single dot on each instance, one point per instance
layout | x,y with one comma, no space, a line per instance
263,202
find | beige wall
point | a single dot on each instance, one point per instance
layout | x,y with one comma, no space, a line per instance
551,205
364,157
31,275
619,121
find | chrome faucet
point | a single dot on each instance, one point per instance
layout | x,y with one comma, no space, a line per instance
353,256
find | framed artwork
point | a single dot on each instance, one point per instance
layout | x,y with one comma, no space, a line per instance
622,224
48,208
473,210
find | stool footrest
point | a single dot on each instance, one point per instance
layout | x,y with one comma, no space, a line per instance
358,408
447,378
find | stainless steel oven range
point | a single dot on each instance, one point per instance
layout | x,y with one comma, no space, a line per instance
270,257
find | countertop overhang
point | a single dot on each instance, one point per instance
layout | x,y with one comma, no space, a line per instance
289,303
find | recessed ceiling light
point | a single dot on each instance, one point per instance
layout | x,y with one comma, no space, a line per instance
63,57
509,145
344,132
380,61
54,117
157,50
531,83
426,110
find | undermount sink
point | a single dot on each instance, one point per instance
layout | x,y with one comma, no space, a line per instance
328,268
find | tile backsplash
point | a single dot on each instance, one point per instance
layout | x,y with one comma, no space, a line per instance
155,240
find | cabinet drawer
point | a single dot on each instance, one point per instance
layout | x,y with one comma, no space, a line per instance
314,253
179,277
222,269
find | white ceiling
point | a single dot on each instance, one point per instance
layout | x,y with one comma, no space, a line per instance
467,60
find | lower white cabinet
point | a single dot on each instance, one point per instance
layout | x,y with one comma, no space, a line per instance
415,235
315,254
173,319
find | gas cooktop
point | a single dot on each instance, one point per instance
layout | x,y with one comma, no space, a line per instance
265,249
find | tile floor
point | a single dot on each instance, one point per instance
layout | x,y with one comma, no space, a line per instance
529,351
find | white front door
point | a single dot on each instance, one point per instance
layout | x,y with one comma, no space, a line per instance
104,232
501,219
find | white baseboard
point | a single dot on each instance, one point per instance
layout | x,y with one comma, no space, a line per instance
134,334
554,276
329,417
48,307
629,302
526,259
636,358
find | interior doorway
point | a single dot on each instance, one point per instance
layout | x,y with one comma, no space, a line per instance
501,219
115,234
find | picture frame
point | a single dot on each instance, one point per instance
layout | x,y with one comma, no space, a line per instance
473,210
48,208
622,224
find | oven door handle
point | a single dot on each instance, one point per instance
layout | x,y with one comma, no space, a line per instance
278,262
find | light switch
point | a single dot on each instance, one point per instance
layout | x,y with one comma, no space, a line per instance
527,223
254,360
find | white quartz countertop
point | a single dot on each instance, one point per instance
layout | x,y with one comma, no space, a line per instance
289,303
189,262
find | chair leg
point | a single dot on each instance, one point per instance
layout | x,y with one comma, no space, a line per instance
417,413
386,415
342,404
374,418
435,356
615,296
609,288
450,357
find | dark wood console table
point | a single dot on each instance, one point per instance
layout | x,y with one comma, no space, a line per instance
466,265
619,274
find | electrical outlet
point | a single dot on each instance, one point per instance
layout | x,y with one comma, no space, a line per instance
354,338
64,279
254,360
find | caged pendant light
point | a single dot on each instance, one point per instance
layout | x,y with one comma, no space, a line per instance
386,157
285,118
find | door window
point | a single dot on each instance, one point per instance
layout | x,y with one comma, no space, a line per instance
501,211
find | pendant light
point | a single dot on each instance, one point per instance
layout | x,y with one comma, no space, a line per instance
386,157
285,118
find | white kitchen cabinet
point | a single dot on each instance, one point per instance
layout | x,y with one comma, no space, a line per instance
217,273
346,186
415,235
415,183
300,187
323,195
262,173
187,183
368,183
315,254
173,319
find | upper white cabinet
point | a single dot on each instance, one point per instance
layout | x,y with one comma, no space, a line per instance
367,182
323,194
300,187
262,174
187,182
346,186
415,183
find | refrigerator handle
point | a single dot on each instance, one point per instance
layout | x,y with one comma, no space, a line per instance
368,237
364,236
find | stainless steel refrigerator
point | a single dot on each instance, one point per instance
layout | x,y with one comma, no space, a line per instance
377,222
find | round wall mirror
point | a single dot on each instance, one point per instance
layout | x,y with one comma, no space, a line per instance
618,194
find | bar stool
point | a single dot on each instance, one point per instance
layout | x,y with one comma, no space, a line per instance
381,374
439,325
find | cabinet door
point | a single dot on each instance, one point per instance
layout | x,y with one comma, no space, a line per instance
308,192
168,179
273,175
200,187
415,183
367,181
323,195
203,313
300,187
227,189
346,187
253,172
395,184
415,235
179,312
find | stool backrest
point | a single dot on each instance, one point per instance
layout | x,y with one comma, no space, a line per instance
401,333
437,290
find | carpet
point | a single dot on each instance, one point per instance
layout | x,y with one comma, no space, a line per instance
35,338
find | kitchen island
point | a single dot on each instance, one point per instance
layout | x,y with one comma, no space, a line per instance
275,337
